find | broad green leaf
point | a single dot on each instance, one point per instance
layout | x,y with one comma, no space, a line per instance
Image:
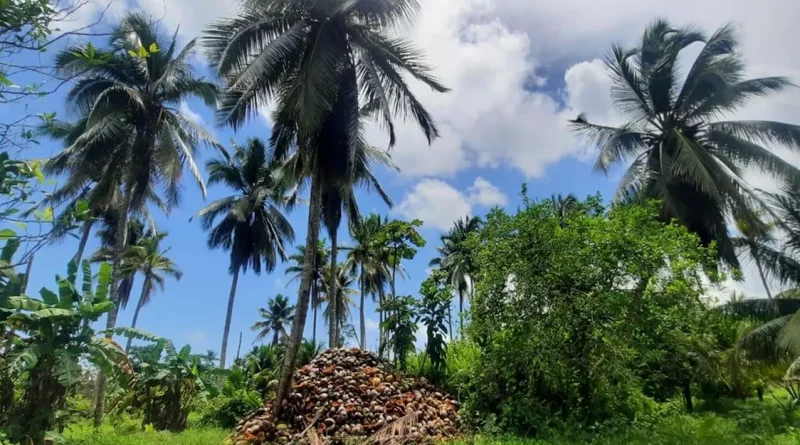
25,304
72,271
48,296
66,293
27,358
103,281
68,370
53,312
9,250
7,234
87,278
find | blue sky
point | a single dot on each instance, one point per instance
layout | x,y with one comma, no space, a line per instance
518,70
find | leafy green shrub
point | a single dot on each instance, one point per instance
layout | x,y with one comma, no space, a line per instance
226,410
586,318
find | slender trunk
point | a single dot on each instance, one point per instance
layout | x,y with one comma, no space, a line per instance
761,274
314,304
239,348
450,318
27,278
298,325
333,338
121,238
687,395
275,338
381,336
87,230
460,312
139,305
361,318
228,316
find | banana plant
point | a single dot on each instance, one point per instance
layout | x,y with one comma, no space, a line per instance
45,340
167,382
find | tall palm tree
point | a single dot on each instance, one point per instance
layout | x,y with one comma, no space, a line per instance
134,88
316,60
274,319
563,207
148,259
365,259
337,308
455,258
680,152
296,270
251,223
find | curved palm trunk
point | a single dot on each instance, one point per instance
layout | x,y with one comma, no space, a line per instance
361,318
333,337
298,325
139,305
227,330
381,336
120,240
754,253
87,230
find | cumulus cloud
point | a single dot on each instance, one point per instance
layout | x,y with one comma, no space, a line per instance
438,204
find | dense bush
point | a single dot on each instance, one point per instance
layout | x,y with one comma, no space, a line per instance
225,411
586,316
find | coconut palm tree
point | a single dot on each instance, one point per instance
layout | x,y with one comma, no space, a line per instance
563,207
679,151
147,258
316,61
365,260
105,253
274,319
251,223
337,307
455,258
296,270
135,87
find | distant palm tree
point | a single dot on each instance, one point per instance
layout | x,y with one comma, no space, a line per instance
753,239
296,270
105,253
368,261
455,258
147,258
251,223
210,358
274,319
317,60
679,153
132,90
563,207
337,308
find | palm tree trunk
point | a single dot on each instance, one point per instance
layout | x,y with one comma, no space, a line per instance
450,317
298,325
761,274
27,277
362,319
381,338
275,338
121,237
315,304
460,312
227,330
139,305
87,230
334,322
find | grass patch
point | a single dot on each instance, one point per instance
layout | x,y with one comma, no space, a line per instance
129,433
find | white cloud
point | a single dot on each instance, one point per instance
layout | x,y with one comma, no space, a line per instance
435,202
371,325
438,204
483,193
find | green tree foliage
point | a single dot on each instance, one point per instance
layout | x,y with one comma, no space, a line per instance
432,314
337,307
583,321
317,276
44,342
274,318
400,326
678,150
251,224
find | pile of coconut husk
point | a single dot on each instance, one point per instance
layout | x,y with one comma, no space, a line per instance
349,392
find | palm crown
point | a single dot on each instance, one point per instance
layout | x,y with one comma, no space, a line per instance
274,319
681,153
